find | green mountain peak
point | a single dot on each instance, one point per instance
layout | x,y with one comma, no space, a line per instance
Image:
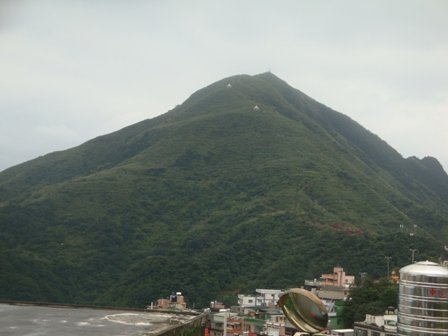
248,184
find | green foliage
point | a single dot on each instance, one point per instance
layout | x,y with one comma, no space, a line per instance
214,198
369,297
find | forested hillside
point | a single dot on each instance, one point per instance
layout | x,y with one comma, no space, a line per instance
247,184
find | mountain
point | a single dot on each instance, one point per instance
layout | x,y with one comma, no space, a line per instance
247,184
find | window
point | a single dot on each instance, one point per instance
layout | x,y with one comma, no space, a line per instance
375,333
360,332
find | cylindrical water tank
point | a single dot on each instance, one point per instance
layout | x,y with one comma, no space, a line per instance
423,300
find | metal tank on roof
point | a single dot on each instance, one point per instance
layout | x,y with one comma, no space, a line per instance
423,300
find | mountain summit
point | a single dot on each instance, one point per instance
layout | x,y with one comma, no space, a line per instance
248,184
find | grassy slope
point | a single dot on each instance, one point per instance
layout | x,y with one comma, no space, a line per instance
214,197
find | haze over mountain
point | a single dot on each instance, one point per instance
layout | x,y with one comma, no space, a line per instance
249,183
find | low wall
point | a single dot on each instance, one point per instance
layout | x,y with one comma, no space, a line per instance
194,327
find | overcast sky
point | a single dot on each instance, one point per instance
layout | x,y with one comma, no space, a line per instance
73,70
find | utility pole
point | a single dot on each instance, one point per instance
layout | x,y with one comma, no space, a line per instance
363,276
388,261
413,254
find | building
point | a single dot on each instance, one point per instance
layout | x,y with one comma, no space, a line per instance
338,278
331,286
332,289
216,306
382,325
274,329
249,300
342,332
48,319
269,297
261,298
175,301
226,323
256,314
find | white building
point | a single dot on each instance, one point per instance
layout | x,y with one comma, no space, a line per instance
274,329
382,325
342,332
261,298
249,300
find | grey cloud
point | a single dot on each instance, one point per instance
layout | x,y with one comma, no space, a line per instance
81,69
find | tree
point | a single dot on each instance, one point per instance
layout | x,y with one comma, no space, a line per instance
370,297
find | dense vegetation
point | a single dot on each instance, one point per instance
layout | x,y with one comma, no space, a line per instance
215,198
369,297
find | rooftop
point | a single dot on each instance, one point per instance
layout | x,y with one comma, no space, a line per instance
18,320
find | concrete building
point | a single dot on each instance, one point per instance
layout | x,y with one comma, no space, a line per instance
226,323
332,286
261,298
249,300
216,306
338,278
51,320
274,329
269,296
380,325
332,289
175,301
342,332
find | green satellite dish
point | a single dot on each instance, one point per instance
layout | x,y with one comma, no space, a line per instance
304,310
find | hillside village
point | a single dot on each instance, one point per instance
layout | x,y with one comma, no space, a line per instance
259,314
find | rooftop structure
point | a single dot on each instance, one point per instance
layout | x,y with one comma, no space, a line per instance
175,301
261,298
342,332
337,279
423,300
378,325
332,288
18,320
